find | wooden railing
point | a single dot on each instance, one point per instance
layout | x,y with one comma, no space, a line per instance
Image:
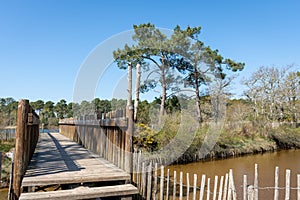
110,136
8,133
26,139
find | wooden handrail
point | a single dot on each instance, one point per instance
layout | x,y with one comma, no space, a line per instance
26,139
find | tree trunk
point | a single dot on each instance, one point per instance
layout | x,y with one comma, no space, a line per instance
198,103
129,89
164,92
130,127
137,92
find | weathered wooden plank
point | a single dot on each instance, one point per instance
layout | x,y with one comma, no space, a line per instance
60,161
82,193
53,180
119,122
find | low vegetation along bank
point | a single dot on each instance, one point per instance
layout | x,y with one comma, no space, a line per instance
5,146
237,145
242,140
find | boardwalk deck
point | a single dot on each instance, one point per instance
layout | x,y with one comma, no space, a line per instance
59,161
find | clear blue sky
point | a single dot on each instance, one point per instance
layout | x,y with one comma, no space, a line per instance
44,42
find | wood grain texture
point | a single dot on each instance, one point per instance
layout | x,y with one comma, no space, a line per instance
57,160
82,193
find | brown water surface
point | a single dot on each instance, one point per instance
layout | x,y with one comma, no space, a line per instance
286,159
3,194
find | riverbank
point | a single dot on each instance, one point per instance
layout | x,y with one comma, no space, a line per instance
234,145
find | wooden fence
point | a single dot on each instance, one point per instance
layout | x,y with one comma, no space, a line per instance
7,134
159,183
26,139
108,135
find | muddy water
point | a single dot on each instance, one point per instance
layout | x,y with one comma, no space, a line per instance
3,194
287,159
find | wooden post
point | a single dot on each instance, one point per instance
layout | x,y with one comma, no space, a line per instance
276,183
232,184
155,182
215,188
250,192
298,186
138,175
11,177
221,188
174,186
287,184
149,181
19,158
168,185
202,187
143,180
188,186
195,187
208,189
162,177
225,187
245,188
256,182
181,186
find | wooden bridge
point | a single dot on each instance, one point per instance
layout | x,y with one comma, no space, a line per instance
90,158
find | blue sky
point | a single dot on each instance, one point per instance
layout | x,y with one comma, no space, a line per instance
43,43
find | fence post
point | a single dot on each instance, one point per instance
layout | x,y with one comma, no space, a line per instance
149,181
162,176
155,182
181,186
202,187
188,186
215,188
276,183
174,186
298,186
229,196
11,177
256,182
19,159
221,188
225,187
144,180
208,189
245,188
168,185
231,184
287,184
250,191
195,187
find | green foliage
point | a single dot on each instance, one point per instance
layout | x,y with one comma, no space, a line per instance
8,112
143,114
145,138
5,146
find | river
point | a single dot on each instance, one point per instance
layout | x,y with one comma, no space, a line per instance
3,194
285,159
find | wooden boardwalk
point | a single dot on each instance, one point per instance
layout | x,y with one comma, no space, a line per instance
61,163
